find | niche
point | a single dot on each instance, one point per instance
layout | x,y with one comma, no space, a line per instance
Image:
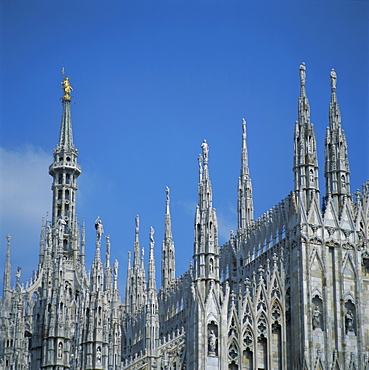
350,318
317,313
212,339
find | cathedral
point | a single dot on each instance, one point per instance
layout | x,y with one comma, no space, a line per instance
289,290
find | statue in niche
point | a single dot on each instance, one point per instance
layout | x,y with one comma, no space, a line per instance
349,320
311,177
98,355
99,228
60,350
316,318
212,342
61,224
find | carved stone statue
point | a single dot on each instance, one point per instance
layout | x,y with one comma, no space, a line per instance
61,224
316,317
99,228
349,319
98,355
302,74
205,150
60,350
333,79
18,274
167,193
212,341
137,221
49,236
152,234
116,267
199,161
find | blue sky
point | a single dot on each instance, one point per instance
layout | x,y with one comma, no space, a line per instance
152,80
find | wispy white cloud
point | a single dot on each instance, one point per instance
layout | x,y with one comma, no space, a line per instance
227,221
25,197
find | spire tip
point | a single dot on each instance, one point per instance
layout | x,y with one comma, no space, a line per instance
333,76
302,74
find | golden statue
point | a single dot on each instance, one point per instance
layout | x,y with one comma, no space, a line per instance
67,88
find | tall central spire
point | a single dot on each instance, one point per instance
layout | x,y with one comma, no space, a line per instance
65,171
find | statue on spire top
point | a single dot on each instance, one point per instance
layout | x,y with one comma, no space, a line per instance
67,88
333,79
243,125
205,150
302,74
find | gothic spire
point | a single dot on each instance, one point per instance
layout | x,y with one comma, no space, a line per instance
206,250
205,191
168,252
152,316
245,201
136,251
337,170
303,106
97,268
305,154
136,276
65,170
7,272
151,283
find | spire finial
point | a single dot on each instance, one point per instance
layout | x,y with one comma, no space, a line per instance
152,231
107,258
99,228
167,194
129,259
205,151
333,79
66,87
302,74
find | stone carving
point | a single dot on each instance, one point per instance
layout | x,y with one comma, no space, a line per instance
205,150
316,318
167,193
116,264
61,224
302,74
152,234
212,342
333,79
98,355
60,350
99,228
349,321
